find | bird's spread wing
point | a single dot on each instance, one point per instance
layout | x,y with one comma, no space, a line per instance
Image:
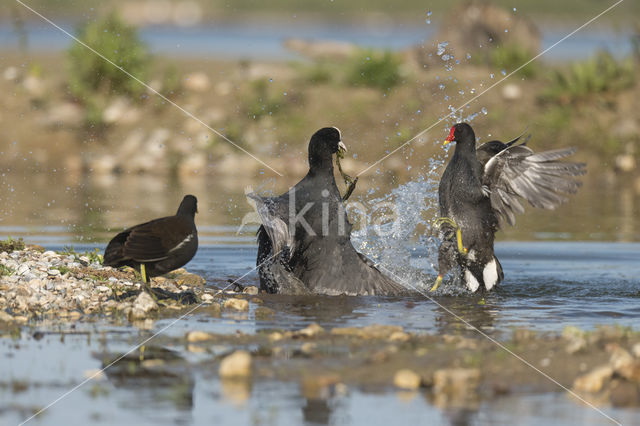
539,178
275,221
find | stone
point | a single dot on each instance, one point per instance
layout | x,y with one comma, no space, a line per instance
251,289
199,336
374,331
190,280
406,379
576,345
456,379
636,350
399,337
594,380
236,366
276,336
236,304
620,357
143,305
630,371
310,331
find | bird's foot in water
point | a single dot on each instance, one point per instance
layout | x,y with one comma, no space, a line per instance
448,221
436,284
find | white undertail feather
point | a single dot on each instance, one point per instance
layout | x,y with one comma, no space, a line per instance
490,274
472,282
182,243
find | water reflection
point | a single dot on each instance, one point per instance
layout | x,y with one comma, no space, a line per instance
90,207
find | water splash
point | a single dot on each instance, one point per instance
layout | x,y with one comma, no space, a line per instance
403,244
442,47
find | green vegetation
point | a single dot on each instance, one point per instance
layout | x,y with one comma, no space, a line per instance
9,245
118,42
597,75
510,56
263,99
372,68
5,270
93,255
63,269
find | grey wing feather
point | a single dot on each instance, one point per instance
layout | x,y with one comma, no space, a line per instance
273,215
539,178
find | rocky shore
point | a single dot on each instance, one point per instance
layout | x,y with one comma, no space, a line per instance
35,283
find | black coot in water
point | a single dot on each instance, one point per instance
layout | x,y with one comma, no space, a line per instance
305,237
480,187
159,246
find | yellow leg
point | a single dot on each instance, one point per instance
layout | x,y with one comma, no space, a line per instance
143,272
441,220
436,284
462,249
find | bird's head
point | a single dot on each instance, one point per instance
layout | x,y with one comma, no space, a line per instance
460,132
188,206
324,143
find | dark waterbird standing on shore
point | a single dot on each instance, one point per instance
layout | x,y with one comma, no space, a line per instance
482,186
305,237
159,246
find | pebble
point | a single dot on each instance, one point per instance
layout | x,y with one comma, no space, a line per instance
236,366
199,336
447,379
310,331
236,304
406,379
399,337
594,380
39,286
251,289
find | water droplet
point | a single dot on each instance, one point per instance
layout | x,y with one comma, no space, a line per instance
491,75
446,57
429,13
441,47
506,30
441,86
270,80
461,92
428,21
468,55
503,72
484,110
514,9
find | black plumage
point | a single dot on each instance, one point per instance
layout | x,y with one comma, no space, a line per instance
161,245
305,237
482,187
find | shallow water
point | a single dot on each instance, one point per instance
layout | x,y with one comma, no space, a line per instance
548,286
